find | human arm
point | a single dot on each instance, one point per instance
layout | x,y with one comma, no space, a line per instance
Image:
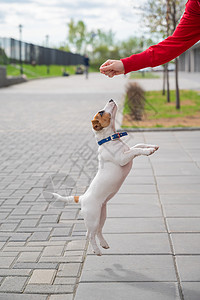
186,34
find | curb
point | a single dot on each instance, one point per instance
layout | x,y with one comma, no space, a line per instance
161,129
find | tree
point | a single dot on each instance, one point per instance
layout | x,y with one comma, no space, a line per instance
77,33
154,12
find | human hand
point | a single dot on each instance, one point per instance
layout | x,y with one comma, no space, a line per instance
112,67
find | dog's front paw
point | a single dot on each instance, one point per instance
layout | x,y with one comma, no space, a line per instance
151,151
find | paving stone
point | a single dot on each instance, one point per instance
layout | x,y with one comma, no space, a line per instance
131,225
31,265
52,148
65,280
186,243
18,236
171,180
61,297
179,199
28,257
184,224
76,245
2,244
10,254
182,210
46,243
125,291
74,253
137,189
40,236
5,237
5,262
15,272
49,289
49,218
188,267
29,223
79,227
61,259
191,290
128,268
13,284
177,188
67,215
53,251
151,243
12,296
20,211
8,227
134,199
69,270
42,277
135,180
175,168
22,249
61,231
129,211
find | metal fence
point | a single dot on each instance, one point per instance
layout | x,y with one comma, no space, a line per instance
33,54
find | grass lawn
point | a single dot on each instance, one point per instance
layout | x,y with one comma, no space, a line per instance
40,71
158,113
143,75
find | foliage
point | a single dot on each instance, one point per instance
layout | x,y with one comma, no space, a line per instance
39,71
143,75
135,100
156,107
3,58
159,15
77,34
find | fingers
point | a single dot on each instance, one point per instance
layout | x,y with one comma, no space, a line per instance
112,67
107,63
107,67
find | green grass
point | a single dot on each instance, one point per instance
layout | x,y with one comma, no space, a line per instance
156,106
143,75
39,71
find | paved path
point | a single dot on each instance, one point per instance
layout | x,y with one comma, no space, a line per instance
153,224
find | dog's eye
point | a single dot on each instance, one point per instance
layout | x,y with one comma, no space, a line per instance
101,112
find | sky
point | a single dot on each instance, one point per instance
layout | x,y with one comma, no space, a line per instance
40,18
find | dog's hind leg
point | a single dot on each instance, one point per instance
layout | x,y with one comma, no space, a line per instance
92,220
102,241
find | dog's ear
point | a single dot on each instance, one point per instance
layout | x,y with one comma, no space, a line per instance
96,125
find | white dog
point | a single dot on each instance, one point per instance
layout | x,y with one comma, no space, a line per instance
115,162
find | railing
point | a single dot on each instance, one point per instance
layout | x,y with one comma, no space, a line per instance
33,54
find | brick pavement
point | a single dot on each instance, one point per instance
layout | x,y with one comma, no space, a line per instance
46,136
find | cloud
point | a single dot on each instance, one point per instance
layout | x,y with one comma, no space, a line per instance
2,17
41,17
15,1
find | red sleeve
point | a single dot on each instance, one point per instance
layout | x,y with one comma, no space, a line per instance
186,34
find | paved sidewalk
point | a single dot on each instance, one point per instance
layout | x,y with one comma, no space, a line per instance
153,224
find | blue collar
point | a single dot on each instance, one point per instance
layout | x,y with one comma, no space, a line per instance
112,137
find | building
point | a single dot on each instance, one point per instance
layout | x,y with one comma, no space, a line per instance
189,61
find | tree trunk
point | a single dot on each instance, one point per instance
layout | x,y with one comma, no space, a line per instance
177,86
168,90
164,79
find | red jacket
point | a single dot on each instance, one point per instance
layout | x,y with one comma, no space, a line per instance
187,33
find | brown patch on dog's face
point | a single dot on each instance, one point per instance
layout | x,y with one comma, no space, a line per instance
101,120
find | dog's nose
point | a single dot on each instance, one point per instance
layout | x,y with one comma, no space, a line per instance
111,100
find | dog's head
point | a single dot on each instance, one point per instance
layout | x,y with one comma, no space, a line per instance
106,117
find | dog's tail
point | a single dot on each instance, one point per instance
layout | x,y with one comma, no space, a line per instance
68,199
